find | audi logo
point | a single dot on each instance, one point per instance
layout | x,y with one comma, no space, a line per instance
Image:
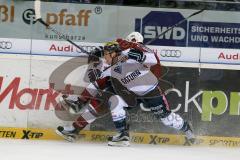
5,45
170,53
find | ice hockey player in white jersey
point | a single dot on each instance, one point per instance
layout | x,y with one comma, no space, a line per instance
132,68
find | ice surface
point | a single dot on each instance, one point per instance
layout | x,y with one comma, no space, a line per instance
61,150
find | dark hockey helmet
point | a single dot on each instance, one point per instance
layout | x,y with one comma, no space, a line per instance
112,46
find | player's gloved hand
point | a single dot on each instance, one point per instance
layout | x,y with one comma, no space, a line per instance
95,54
75,103
137,55
94,74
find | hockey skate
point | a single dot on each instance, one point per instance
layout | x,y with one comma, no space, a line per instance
121,139
189,135
71,102
68,133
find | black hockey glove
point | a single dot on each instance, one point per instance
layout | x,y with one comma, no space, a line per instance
94,74
95,54
137,55
75,105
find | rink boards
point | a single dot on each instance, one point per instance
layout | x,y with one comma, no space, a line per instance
32,83
102,136
201,59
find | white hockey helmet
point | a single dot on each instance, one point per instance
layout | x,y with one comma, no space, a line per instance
135,37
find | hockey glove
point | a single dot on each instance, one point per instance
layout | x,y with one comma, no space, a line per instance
76,104
94,74
95,54
137,55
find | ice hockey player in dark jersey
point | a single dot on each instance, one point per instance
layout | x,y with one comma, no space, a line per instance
132,68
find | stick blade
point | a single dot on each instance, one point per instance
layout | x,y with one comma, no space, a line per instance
198,12
37,7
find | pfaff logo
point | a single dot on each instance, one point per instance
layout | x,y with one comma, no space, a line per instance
6,13
61,18
65,18
157,22
28,134
170,53
5,45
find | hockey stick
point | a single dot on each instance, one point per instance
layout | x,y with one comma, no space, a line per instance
163,33
37,7
175,25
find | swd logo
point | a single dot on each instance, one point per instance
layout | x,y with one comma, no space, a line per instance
28,16
157,22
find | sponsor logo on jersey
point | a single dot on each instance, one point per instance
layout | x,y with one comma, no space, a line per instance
130,77
118,69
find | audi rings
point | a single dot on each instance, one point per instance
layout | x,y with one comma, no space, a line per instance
5,45
170,53
86,48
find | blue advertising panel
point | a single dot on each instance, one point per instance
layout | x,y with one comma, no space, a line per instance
156,22
214,34
187,34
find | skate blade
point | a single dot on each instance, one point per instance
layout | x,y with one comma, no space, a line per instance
197,141
192,142
119,144
68,138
